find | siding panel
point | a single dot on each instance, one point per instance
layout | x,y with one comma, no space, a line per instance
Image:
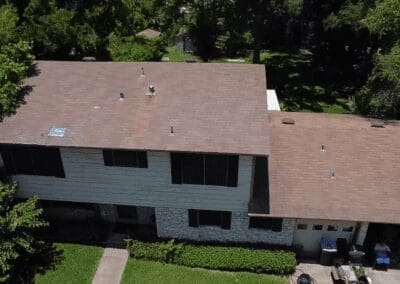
88,180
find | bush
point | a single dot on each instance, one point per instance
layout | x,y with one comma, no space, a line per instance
136,49
162,252
215,257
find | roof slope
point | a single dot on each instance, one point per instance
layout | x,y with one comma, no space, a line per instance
216,108
149,33
365,161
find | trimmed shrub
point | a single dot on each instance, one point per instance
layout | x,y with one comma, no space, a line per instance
215,257
162,252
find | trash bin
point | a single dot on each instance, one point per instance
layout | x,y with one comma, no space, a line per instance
326,257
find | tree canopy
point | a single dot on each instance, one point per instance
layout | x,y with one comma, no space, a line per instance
347,40
22,253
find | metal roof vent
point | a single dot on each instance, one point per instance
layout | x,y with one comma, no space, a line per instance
288,120
89,59
121,96
152,90
333,176
143,74
323,148
56,132
378,124
172,131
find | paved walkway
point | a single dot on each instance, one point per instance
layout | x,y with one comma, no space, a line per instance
112,265
321,274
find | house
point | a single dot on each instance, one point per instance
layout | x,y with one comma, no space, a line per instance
184,42
149,34
194,150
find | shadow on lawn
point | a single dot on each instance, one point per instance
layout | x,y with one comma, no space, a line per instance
298,84
43,257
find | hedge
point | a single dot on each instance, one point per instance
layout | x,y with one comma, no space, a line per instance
215,257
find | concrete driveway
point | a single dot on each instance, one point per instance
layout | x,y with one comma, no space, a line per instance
322,274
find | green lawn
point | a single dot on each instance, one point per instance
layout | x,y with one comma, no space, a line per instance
179,56
140,271
79,265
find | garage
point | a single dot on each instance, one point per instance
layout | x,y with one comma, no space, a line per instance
308,233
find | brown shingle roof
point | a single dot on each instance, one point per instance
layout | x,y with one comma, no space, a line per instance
213,107
365,160
149,33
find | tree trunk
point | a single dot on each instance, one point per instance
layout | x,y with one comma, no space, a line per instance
256,51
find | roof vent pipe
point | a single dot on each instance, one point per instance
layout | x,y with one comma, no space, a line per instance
378,124
287,120
142,75
152,89
121,96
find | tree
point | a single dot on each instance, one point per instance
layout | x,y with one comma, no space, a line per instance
8,23
22,253
262,17
385,19
15,62
136,48
380,96
205,24
50,29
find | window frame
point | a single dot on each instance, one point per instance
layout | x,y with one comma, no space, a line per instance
138,158
53,165
180,162
224,222
266,223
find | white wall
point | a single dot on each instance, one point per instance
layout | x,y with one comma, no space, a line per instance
310,239
88,180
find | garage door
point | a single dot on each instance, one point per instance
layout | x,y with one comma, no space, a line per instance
309,233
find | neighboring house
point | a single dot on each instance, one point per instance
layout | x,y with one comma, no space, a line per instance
193,149
184,43
149,34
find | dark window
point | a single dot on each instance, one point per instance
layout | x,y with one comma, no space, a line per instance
127,212
317,227
204,169
210,218
347,229
193,169
125,158
32,160
274,224
332,228
302,226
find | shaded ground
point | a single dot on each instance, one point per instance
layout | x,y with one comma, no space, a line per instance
79,265
297,84
140,271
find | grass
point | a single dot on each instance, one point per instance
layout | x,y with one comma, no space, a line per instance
140,271
79,265
179,56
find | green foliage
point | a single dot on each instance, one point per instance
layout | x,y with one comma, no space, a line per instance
15,61
214,257
8,23
350,15
22,254
49,28
162,252
385,18
136,49
381,94
238,259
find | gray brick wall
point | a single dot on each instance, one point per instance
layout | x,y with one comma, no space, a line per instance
174,223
